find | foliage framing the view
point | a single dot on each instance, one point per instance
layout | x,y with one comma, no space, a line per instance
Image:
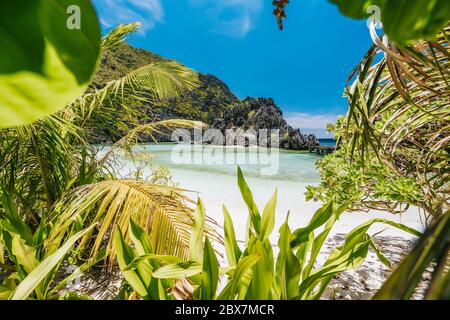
394,151
404,21
44,64
45,162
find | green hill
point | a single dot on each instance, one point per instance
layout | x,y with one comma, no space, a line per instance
212,103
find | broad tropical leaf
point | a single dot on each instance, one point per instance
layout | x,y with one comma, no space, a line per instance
403,20
288,268
26,287
255,217
210,273
44,64
232,249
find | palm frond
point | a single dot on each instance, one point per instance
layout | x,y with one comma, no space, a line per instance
162,211
151,130
161,80
118,35
37,162
151,83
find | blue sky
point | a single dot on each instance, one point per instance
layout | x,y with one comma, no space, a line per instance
303,68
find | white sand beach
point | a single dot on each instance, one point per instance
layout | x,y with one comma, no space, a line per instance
216,185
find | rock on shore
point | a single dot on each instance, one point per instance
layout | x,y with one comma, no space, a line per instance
212,103
263,113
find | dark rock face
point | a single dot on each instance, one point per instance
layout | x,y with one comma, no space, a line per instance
212,103
263,113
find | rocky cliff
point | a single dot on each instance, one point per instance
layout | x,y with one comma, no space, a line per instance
212,103
263,113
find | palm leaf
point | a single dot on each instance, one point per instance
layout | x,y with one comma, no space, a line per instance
160,210
118,35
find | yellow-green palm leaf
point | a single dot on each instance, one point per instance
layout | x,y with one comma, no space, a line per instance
162,211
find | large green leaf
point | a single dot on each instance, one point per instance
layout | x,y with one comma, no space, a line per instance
14,223
268,218
140,238
341,259
179,270
248,198
44,65
125,256
288,267
210,273
240,280
196,240
142,246
232,249
321,216
355,8
26,287
24,254
348,256
263,276
403,20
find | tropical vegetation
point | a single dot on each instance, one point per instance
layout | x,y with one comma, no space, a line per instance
63,203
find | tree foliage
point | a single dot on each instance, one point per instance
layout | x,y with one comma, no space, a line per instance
404,21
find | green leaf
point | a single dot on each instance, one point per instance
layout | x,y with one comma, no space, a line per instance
248,198
241,278
403,21
196,240
5,293
140,238
139,279
232,249
288,267
268,218
44,65
321,216
348,256
341,259
356,9
147,262
2,251
263,272
24,254
379,254
161,259
26,287
210,273
318,241
179,270
15,222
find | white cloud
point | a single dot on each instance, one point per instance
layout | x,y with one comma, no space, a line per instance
114,12
309,121
233,18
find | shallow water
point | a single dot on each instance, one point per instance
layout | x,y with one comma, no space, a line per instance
216,183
